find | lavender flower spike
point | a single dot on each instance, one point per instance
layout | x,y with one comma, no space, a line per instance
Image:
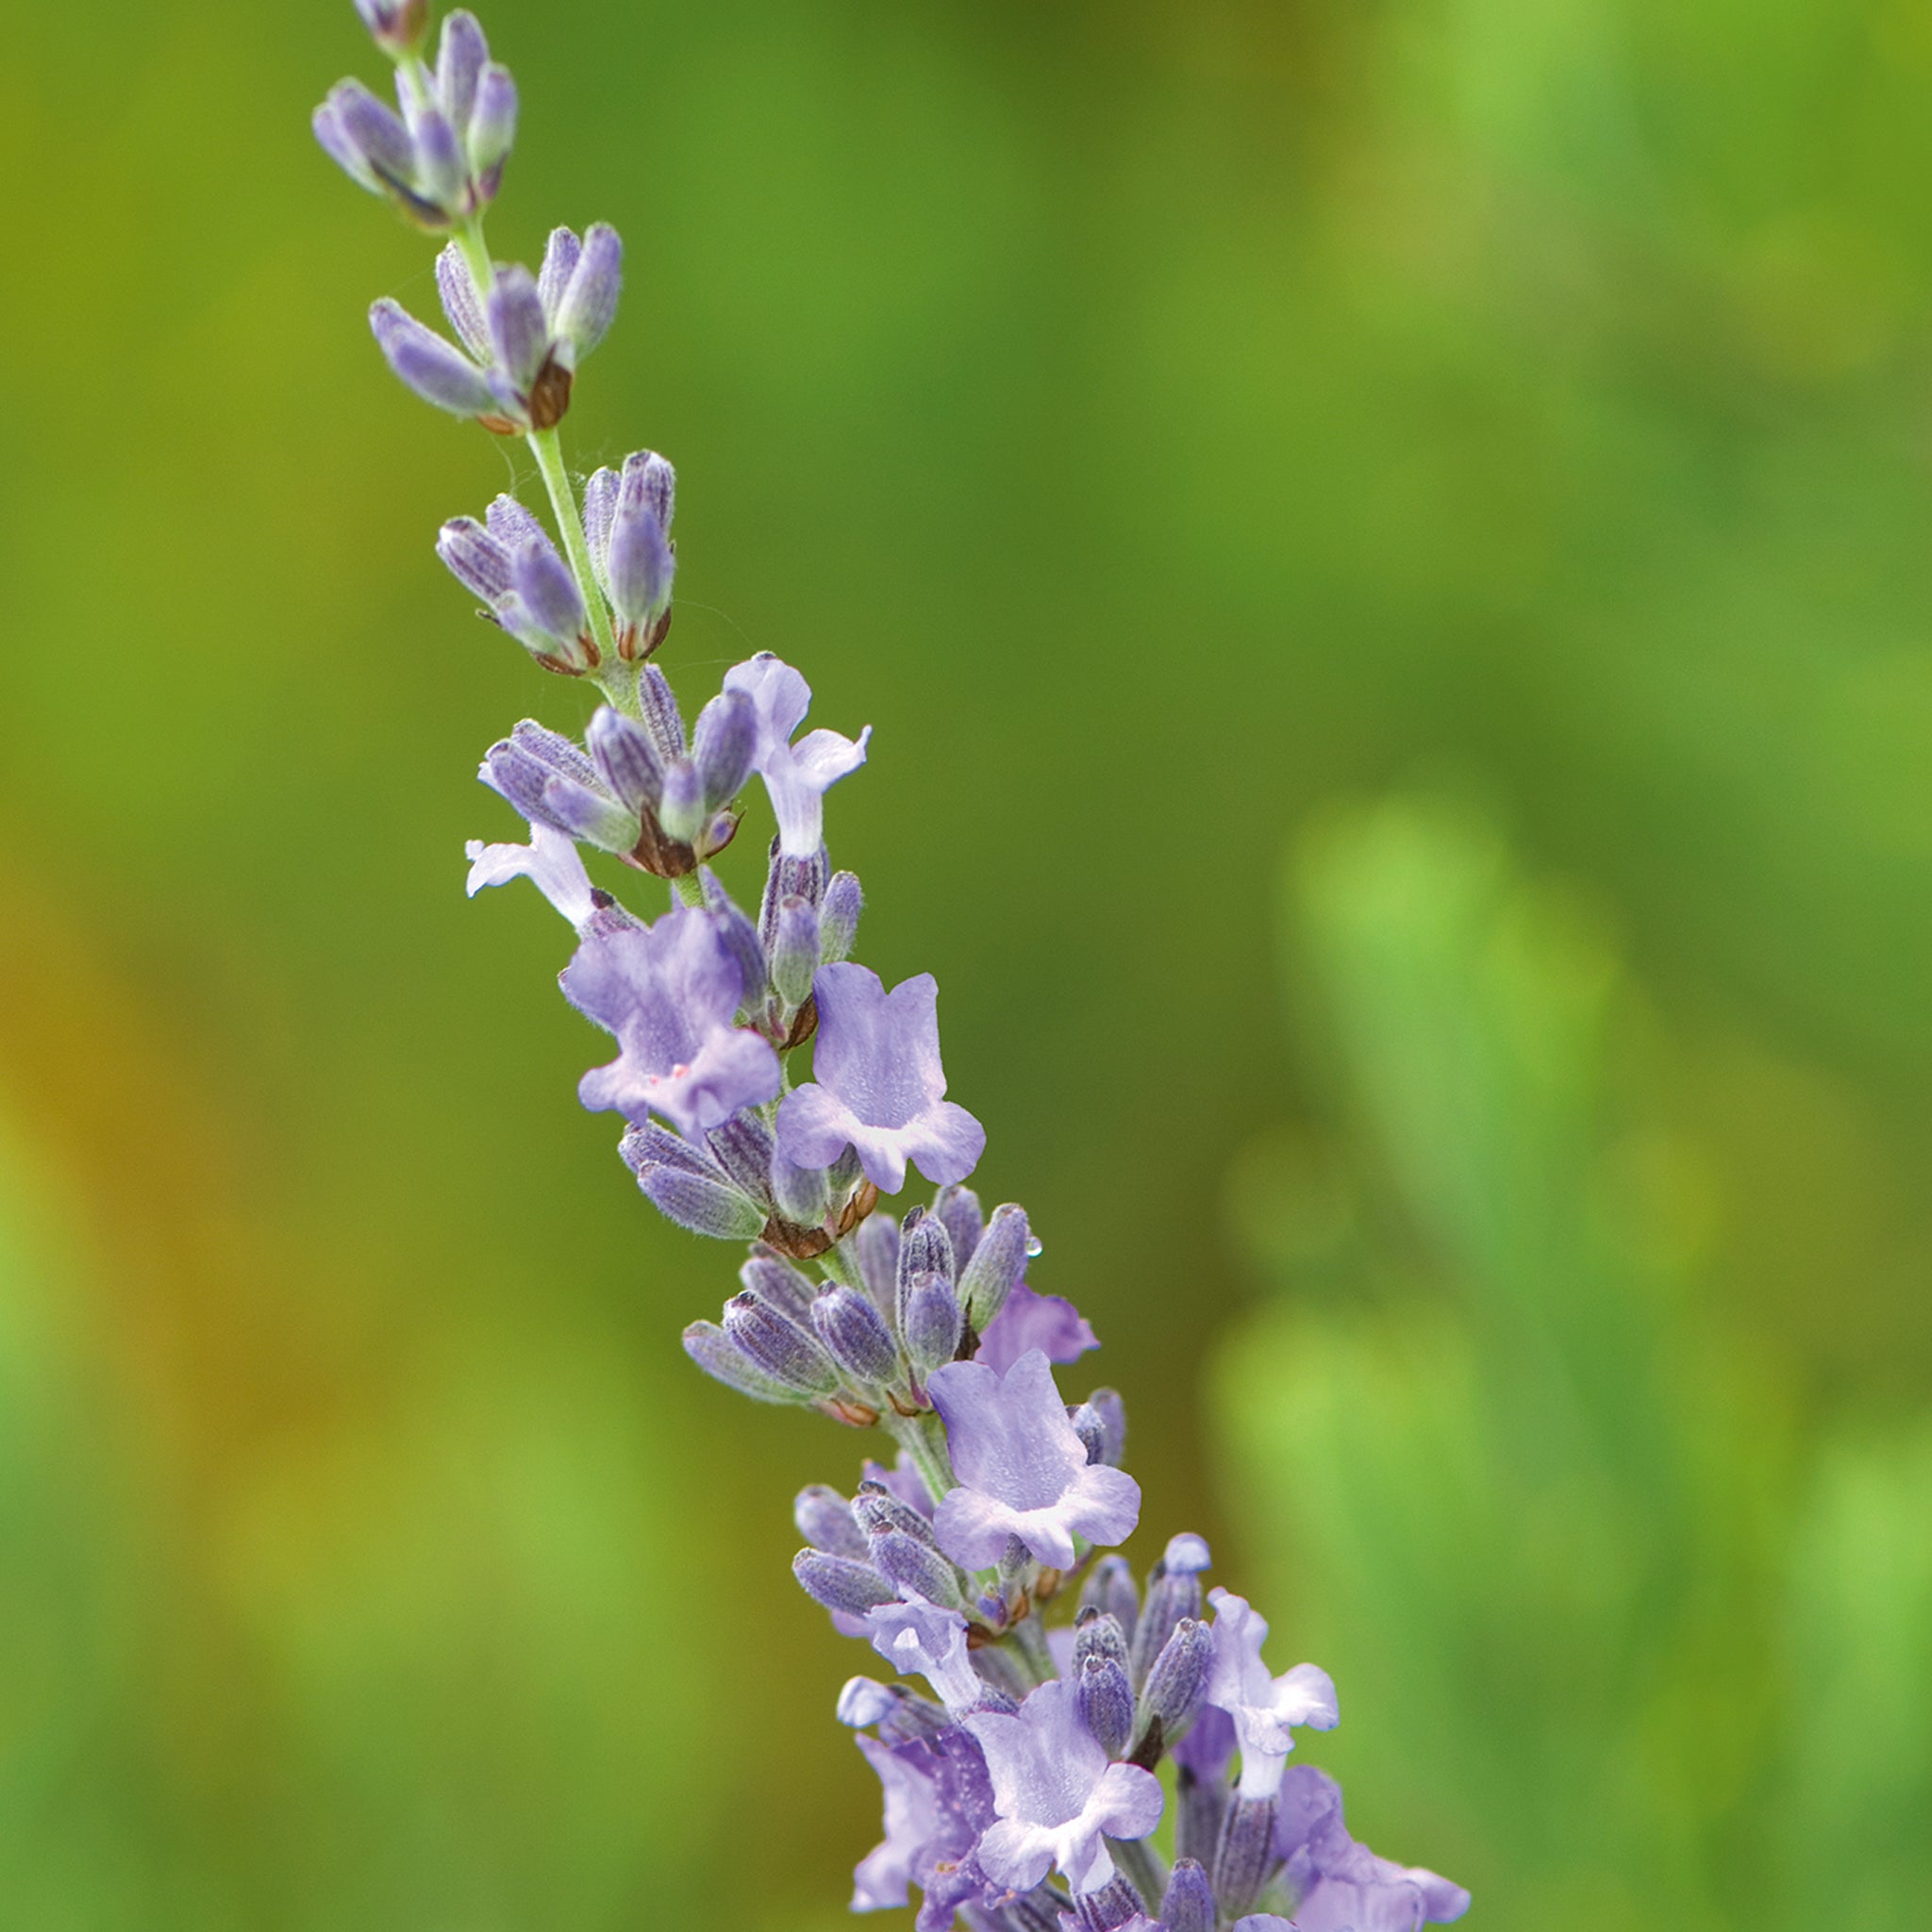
1265,1709
668,992
797,776
1058,1798
1023,1470
549,862
880,1086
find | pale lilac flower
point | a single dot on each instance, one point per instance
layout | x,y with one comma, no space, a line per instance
878,1086
1022,1470
1265,1709
1049,1322
1342,1886
882,1877
550,861
668,992
921,1639
796,775
1058,1798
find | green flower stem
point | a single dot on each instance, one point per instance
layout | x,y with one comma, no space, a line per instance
924,1438
547,448
1028,1640
470,239
685,889
1144,1867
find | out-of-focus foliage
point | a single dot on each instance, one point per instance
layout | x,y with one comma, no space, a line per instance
1157,420
1623,1642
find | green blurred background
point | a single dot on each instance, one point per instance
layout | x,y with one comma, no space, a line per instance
1481,448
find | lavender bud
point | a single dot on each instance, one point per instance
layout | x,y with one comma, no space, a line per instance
723,744
865,1701
510,523
376,132
923,1248
1189,1905
744,1149
1172,1594
1091,1429
588,303
839,917
1098,1633
560,255
548,592
930,1322
662,719
439,372
340,146
681,809
638,558
824,1521
459,57
1109,1587
462,304
1113,1905
742,937
917,1566
474,559
875,1510
855,1336
1186,1553
795,950
655,1145
1245,1853
395,25
712,1350
1107,1704
779,1346
443,170
998,1260
781,1284
519,330
493,129
804,1194
840,1584
624,758
804,878
957,1209
877,1242
701,1206
1111,1414
1171,1693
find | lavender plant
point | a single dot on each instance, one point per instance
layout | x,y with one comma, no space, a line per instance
1070,1713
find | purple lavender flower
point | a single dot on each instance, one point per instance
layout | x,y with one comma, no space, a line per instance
1049,1322
882,1878
549,862
797,776
879,1088
921,1639
1265,1709
1023,1470
1342,1886
667,992
1058,1796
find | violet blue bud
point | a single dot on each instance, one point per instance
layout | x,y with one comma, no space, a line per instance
638,558
804,1194
1091,1429
1107,1406
957,1209
681,809
930,1322
651,1144
342,146
600,494
876,1509
878,1262
855,1336
795,950
443,169
549,593
526,769
1115,1907
721,746
461,302
510,523
1176,1685
712,1350
493,129
742,1145
377,131
1171,1596
1246,1855
1186,1553
700,1206
865,1701
626,759
583,314
474,559
778,1346
395,25
997,1263
1109,1589
1107,1704
824,1520
779,1282
843,1587
916,1566
439,372
460,55
924,1247
1098,1633
662,719
1189,1905
742,937
519,330
560,254
839,917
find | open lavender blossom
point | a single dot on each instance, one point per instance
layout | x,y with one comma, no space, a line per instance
1023,1470
879,1086
1040,1683
1058,1798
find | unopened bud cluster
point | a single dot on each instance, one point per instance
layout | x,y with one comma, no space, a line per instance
773,1092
